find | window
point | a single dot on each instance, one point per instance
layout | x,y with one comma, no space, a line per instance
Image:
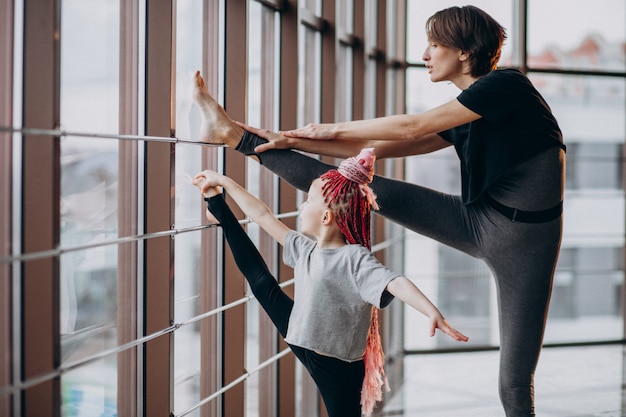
578,64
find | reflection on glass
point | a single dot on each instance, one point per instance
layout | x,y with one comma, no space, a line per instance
587,36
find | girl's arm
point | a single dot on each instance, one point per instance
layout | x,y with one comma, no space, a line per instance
254,208
407,292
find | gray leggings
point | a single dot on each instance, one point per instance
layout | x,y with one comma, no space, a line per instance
521,256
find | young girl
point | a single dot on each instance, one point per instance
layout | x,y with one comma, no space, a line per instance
331,325
512,168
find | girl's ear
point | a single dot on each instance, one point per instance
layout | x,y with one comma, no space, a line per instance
327,217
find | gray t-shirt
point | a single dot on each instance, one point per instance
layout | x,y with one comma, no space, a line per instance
334,293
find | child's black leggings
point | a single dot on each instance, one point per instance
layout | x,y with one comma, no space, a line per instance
339,382
521,256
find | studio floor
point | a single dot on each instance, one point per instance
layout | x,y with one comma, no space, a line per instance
583,381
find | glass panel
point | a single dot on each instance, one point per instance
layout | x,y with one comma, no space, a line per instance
586,300
589,36
90,65
418,11
439,170
188,210
344,55
89,175
186,368
315,6
256,48
89,178
91,390
345,84
345,16
309,79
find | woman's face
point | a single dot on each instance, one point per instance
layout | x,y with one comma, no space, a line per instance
444,63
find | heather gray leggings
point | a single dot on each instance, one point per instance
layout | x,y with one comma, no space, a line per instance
521,256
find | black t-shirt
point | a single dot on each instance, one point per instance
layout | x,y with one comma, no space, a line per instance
516,124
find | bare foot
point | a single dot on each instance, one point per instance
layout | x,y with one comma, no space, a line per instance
217,127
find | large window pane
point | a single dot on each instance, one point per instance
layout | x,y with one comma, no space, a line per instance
89,178
577,35
90,65
586,300
345,58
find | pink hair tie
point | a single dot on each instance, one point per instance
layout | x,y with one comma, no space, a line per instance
360,168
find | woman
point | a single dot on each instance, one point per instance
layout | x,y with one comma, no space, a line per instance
512,161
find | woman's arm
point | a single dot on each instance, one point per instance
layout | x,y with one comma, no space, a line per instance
254,208
397,127
405,290
345,148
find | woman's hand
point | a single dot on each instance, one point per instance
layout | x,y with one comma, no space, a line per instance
438,322
322,131
275,140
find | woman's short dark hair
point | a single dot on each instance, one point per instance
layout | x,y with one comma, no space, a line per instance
471,30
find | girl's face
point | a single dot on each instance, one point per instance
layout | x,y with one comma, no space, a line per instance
313,210
444,63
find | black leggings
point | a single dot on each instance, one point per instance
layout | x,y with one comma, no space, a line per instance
339,382
521,256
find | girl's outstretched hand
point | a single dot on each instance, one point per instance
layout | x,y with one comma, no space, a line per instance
440,323
207,182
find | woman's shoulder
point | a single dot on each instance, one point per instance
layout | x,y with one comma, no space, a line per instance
506,75
499,82
514,78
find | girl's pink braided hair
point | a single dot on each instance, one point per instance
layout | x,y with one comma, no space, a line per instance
346,191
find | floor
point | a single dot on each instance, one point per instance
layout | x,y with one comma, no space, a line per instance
585,381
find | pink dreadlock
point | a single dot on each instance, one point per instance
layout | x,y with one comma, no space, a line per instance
346,191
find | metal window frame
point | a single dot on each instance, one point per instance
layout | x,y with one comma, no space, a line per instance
6,212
